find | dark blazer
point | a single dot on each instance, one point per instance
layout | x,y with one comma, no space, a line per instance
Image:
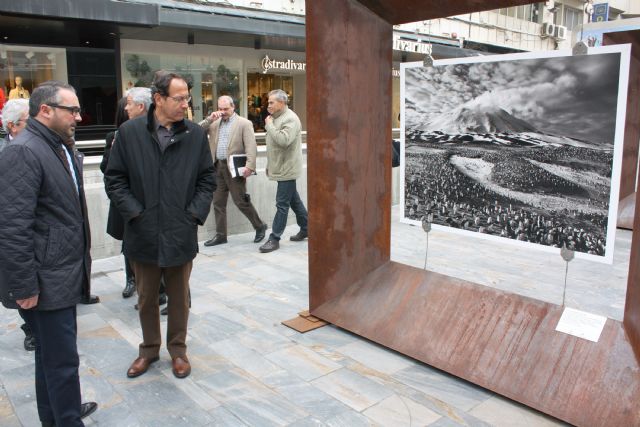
162,196
115,223
44,228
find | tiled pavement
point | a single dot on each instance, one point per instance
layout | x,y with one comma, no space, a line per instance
248,369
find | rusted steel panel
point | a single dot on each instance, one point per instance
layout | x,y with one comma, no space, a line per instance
403,11
349,148
632,124
501,341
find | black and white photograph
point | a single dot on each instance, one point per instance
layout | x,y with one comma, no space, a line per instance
517,147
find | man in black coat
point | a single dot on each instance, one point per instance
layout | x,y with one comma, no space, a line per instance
45,265
161,178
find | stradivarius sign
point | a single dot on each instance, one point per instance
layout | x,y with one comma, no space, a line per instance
287,64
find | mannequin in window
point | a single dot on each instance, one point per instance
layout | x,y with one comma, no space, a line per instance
18,91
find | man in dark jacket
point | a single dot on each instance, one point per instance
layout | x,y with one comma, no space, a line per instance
45,263
161,178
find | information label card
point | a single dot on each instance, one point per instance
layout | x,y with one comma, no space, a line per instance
581,324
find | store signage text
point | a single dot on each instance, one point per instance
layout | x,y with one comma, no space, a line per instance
409,46
288,64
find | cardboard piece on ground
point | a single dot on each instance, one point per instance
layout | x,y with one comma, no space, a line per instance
304,322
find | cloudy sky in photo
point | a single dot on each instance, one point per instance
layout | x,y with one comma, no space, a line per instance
573,96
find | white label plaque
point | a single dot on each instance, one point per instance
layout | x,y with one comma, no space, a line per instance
581,324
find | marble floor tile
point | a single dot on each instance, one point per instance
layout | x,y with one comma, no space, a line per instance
244,358
352,389
251,401
502,412
222,417
303,362
400,412
440,385
376,356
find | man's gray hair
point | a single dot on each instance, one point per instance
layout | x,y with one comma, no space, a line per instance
228,99
13,112
140,95
280,95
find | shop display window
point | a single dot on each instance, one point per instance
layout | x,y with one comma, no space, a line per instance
258,87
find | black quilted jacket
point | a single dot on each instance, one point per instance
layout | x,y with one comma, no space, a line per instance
162,196
44,234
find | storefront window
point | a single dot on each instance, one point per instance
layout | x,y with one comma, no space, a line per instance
207,77
22,68
258,86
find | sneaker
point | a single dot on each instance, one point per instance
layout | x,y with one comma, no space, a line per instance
299,237
270,246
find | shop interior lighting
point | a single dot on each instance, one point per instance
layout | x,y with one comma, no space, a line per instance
29,55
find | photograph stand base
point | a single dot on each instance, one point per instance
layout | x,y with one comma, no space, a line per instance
501,341
305,322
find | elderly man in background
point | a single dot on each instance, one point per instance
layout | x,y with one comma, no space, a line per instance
45,263
230,134
138,102
14,118
15,114
284,165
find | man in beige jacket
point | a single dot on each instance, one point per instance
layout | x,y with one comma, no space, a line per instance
231,134
284,165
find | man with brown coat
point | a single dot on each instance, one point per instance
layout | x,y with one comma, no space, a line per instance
231,134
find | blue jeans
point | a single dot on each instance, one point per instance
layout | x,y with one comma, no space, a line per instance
287,197
57,362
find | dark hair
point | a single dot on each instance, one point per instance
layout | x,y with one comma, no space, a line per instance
162,81
46,93
121,114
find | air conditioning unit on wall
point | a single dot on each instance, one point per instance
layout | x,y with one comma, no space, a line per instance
560,32
548,29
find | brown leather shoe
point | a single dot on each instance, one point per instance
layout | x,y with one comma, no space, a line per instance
181,367
140,366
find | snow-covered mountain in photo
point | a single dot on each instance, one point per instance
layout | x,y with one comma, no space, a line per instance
478,122
477,118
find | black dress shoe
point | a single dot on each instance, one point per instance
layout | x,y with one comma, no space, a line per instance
218,239
270,246
299,237
29,339
91,299
87,409
30,343
129,288
260,232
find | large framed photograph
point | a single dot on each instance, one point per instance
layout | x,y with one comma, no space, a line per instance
525,148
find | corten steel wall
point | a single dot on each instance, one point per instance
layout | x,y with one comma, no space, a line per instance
628,183
501,341
632,124
349,154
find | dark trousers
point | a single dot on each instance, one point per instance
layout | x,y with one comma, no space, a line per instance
57,362
225,184
176,280
287,197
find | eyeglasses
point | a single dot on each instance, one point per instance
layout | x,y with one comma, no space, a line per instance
72,110
180,99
